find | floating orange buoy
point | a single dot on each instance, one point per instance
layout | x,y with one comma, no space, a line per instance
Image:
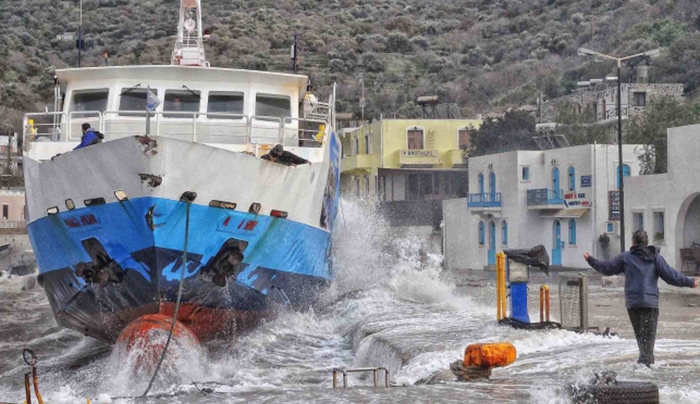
490,355
145,338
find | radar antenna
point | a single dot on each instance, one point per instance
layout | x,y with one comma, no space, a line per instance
189,46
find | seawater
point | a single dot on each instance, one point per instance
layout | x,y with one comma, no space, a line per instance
386,308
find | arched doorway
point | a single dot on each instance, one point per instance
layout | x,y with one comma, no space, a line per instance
556,243
556,184
687,225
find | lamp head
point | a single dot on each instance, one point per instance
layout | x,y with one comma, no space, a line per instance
653,53
585,52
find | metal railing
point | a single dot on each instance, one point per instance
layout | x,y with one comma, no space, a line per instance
555,196
545,196
482,200
12,224
203,127
303,130
375,372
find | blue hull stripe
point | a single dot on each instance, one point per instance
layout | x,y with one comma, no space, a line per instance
123,229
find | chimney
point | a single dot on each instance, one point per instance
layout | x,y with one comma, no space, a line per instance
642,74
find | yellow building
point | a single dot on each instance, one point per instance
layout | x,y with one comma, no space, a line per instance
410,165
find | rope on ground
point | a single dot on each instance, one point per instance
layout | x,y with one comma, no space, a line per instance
179,295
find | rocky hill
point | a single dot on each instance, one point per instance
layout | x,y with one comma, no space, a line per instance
484,55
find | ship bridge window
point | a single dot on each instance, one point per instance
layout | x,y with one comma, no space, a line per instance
278,106
225,103
89,100
134,99
180,101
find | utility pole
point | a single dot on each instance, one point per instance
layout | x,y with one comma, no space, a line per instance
361,78
295,64
620,164
80,33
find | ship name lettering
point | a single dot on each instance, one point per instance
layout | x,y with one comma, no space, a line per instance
88,219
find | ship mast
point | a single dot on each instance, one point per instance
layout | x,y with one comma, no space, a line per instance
189,46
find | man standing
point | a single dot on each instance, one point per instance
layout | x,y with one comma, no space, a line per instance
604,241
642,266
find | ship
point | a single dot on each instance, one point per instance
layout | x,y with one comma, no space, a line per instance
179,168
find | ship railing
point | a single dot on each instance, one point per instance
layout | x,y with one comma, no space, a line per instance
43,127
216,128
321,110
76,119
203,127
304,130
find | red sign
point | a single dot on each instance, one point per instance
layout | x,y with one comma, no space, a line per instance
80,221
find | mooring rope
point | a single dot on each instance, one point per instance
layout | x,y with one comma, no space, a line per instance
179,296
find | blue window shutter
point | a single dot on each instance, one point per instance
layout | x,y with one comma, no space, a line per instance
572,178
572,231
504,226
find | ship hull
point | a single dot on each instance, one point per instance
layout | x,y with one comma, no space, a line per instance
286,261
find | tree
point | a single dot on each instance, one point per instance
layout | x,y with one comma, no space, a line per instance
682,62
649,129
512,131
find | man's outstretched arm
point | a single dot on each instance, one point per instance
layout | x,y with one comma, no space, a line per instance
671,276
611,267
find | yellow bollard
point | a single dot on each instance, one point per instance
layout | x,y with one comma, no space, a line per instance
490,355
544,303
501,286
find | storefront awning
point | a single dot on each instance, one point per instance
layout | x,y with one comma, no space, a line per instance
564,213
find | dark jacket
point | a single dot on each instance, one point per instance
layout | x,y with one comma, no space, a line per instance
642,266
604,240
90,137
287,159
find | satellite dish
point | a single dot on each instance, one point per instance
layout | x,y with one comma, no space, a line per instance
190,24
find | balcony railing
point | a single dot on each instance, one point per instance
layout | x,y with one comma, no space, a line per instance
484,200
545,196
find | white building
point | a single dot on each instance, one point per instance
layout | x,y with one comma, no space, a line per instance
558,198
667,205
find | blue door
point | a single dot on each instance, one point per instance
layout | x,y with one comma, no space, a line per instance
626,172
481,184
555,183
492,244
557,244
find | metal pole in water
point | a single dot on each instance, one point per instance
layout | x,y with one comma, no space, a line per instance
27,391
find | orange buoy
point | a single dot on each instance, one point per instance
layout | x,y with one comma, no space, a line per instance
491,355
145,338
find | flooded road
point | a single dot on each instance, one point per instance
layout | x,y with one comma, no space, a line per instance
385,309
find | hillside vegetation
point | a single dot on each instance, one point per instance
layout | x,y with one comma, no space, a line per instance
484,55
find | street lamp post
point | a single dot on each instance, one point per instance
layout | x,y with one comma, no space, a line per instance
618,60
